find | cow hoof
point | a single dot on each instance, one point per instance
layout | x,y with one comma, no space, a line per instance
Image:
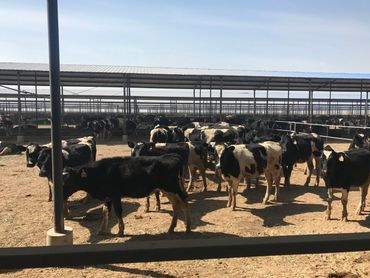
358,212
171,231
306,184
344,219
158,208
188,230
101,233
205,190
265,202
327,218
120,234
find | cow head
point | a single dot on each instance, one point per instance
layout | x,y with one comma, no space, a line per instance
331,160
140,148
74,179
360,140
44,161
32,154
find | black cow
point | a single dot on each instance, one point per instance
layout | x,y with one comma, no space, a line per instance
343,170
359,140
110,179
301,148
7,148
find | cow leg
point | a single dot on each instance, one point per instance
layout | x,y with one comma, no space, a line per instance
65,210
158,200
104,223
186,211
147,203
362,204
257,182
268,187
248,183
50,191
230,192
176,205
277,185
318,170
310,168
330,200
117,205
287,170
191,175
344,200
219,178
234,193
203,174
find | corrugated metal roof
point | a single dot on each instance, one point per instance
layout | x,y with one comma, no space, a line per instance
177,71
179,78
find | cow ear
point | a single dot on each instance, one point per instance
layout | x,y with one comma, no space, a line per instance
341,157
231,148
328,148
83,174
131,144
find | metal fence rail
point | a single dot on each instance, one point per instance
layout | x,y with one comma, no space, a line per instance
173,250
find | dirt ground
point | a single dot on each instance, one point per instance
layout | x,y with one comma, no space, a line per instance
26,215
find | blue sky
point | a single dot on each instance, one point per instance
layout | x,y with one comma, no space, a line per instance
320,36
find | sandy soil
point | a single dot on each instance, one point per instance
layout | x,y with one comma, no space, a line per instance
25,216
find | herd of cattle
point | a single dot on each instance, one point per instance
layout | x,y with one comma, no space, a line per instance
234,152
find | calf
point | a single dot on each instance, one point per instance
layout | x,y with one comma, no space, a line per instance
11,148
360,140
75,152
343,170
251,161
301,148
110,179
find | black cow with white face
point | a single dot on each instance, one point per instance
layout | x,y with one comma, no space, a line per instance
110,179
343,170
301,148
360,141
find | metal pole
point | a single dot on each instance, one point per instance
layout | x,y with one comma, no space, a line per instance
287,110
54,75
19,96
361,101
36,108
221,87
254,103
200,98
329,112
210,97
62,112
366,107
194,102
267,98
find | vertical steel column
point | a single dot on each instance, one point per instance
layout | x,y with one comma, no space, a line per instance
267,98
36,108
62,112
310,103
287,110
194,102
54,75
254,103
366,107
19,96
200,98
361,101
329,112
221,88
210,97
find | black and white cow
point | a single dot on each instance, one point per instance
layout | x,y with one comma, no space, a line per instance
342,170
194,155
166,134
75,152
301,148
359,141
250,161
7,148
110,179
